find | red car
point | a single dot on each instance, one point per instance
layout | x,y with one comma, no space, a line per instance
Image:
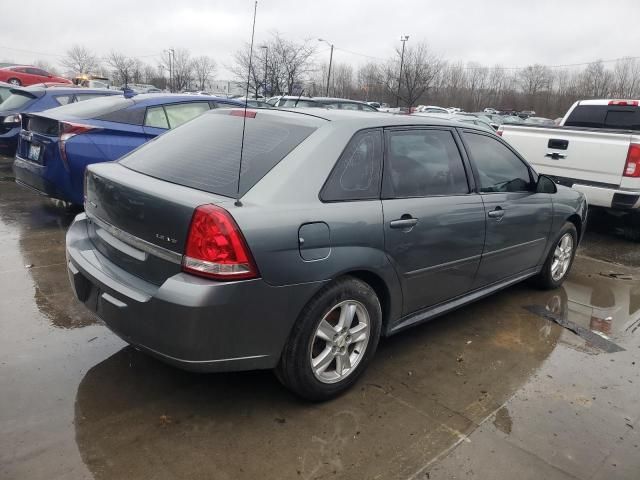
26,75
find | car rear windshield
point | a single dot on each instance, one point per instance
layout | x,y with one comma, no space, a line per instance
94,108
205,152
16,100
605,116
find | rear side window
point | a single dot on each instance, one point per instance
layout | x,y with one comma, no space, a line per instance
422,163
156,118
605,116
499,169
180,113
356,175
206,155
16,101
63,99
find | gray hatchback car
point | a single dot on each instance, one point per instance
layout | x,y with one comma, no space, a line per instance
267,239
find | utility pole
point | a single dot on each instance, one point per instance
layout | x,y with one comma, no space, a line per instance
403,39
264,86
330,61
172,53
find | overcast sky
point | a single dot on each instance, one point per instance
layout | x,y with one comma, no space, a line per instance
511,33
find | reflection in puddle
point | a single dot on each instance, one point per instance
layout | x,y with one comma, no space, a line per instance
599,308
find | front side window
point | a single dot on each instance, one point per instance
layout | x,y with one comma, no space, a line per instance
499,169
156,118
422,163
356,175
180,113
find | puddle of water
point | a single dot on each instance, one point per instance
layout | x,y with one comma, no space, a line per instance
601,308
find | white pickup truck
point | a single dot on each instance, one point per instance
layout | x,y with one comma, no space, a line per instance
595,149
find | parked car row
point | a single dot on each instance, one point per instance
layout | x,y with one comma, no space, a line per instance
55,146
19,100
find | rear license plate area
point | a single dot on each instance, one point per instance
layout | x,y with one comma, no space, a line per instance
33,152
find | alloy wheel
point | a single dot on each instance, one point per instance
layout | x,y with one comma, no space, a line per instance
340,341
562,256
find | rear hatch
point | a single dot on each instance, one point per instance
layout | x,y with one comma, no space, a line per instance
597,156
138,222
142,205
39,139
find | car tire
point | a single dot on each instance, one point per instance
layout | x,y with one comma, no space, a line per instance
563,251
631,227
326,352
15,81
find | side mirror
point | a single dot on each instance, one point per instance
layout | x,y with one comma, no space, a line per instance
546,185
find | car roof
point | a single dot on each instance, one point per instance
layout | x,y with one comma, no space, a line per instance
162,98
70,89
360,119
335,99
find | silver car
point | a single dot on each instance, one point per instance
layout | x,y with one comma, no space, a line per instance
295,240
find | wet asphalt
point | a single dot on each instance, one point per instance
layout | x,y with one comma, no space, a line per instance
524,384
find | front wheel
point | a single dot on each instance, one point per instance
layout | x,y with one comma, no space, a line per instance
560,258
333,341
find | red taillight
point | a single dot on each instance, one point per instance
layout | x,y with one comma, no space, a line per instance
624,103
632,167
216,248
499,132
243,113
67,131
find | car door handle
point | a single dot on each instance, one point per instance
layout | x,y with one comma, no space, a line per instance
403,223
555,155
497,213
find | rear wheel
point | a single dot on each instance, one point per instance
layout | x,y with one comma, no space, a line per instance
560,258
333,341
14,81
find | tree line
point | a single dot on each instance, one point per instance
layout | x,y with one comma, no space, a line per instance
176,70
284,67
279,66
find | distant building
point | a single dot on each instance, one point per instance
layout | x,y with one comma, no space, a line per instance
227,87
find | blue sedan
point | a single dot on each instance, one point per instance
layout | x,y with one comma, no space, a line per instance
36,99
56,146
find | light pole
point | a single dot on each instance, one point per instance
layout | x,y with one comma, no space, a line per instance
330,61
264,85
403,39
172,53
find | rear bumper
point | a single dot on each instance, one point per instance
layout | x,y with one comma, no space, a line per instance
192,323
9,142
31,175
604,195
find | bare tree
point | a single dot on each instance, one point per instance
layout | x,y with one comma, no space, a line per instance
46,66
626,78
289,64
123,67
182,69
203,68
420,69
596,80
240,69
78,59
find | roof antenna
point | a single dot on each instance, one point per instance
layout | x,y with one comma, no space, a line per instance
238,203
